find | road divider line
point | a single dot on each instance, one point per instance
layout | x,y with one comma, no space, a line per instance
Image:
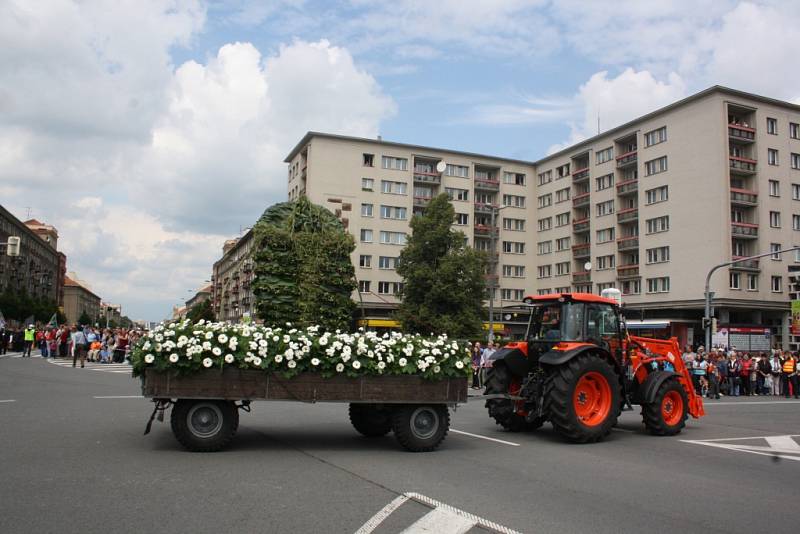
623,430
118,397
707,404
8,400
484,437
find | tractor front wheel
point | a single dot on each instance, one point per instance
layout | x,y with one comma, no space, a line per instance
666,415
582,398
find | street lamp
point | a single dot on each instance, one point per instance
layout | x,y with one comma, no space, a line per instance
492,246
710,295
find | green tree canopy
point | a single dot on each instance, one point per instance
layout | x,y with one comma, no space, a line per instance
84,319
303,270
201,310
444,278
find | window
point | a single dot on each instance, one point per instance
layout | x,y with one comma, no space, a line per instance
562,171
658,224
363,286
631,287
513,247
365,261
513,271
604,182
772,156
655,166
795,161
393,238
514,178
386,288
794,130
366,236
562,244
562,268
655,137
601,287
369,160
772,126
775,219
397,164
545,271
457,170
512,294
393,212
607,154
739,248
366,210
564,289
562,195
387,262
544,247
658,285
462,219
515,201
546,200
775,284
394,188
658,255
605,208
562,219
484,198
775,248
515,225
795,222
605,262
545,177
735,280
774,188
752,282
795,191
457,194
367,184
605,235
656,195
545,224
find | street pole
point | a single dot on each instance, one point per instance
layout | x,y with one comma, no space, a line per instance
709,295
492,246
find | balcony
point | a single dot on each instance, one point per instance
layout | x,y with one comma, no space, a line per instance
484,230
630,270
421,202
492,257
483,207
628,243
628,215
747,265
737,132
581,277
427,177
581,251
581,225
627,188
744,230
580,175
743,197
580,200
487,185
627,159
742,165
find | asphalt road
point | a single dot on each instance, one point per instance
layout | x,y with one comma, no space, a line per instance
73,462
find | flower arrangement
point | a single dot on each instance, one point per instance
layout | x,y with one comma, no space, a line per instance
185,347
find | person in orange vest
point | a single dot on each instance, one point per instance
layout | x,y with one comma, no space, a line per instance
790,376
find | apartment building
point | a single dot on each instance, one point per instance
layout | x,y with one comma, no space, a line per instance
231,291
647,207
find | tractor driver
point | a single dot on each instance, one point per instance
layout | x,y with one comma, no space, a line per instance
551,325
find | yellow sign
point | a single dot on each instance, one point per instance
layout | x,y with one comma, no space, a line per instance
796,317
379,323
496,327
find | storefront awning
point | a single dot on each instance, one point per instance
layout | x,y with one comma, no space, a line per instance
647,324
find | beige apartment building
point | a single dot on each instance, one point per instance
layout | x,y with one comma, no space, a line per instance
647,207
231,291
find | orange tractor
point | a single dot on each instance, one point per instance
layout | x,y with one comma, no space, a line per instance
578,368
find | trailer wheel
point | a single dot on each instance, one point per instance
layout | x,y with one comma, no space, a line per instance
421,427
204,425
370,420
666,415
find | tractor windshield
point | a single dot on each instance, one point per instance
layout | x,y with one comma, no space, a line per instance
557,321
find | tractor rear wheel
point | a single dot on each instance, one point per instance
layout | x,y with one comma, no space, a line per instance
582,398
500,381
666,415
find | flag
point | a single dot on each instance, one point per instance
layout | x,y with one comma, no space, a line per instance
53,322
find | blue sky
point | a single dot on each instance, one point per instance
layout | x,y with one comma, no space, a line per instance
149,131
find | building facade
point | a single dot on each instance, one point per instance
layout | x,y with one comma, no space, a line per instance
647,207
232,293
203,294
78,298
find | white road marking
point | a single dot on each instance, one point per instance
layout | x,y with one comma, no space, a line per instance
623,430
777,446
440,521
707,404
384,512
484,437
118,397
8,400
479,521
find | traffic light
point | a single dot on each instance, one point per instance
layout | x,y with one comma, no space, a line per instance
12,247
706,322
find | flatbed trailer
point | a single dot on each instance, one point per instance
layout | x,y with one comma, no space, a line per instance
206,404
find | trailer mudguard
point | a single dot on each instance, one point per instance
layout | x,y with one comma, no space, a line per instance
514,359
646,392
564,352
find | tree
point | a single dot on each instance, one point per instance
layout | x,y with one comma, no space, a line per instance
303,270
84,319
444,279
201,310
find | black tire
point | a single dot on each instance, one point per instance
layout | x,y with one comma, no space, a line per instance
498,381
370,420
560,398
421,427
656,413
204,425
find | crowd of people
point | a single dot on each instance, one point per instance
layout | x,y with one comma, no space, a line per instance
81,343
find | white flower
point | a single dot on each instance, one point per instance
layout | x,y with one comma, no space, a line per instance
339,367
315,361
275,338
402,362
149,358
459,365
292,364
436,368
257,361
381,365
323,341
201,321
216,351
345,358
278,358
206,345
289,354
174,358
229,358
208,362
222,338
209,335
356,364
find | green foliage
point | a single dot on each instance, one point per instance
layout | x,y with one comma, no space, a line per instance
444,278
201,310
303,270
84,318
19,306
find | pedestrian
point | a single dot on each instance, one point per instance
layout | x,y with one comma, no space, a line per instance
476,365
688,357
78,345
744,374
121,346
3,340
699,367
63,336
775,371
713,377
721,363
790,376
30,339
764,377
486,361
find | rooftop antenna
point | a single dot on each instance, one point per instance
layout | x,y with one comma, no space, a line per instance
28,209
598,124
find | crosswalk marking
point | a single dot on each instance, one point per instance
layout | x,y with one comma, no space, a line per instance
785,447
440,521
116,368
